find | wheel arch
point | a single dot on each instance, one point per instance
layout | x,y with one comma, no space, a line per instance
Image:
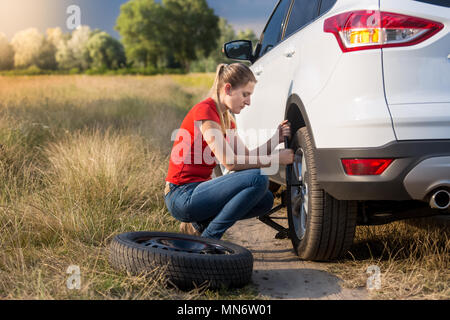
296,114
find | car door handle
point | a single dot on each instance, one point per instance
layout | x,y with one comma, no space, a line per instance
259,71
289,53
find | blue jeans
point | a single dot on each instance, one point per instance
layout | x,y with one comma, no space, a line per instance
214,206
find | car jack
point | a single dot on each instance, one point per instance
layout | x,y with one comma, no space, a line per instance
283,233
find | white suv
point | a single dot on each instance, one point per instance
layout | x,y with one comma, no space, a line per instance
365,85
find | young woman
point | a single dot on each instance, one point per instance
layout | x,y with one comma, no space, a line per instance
205,206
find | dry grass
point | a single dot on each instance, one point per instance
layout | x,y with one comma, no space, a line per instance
81,160
413,258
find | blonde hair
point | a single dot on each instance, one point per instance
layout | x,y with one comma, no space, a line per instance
236,74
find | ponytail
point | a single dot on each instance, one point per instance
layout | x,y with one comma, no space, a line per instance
237,74
214,94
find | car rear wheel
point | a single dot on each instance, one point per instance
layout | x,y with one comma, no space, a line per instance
321,228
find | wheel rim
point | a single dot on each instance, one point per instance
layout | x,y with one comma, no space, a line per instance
183,245
299,195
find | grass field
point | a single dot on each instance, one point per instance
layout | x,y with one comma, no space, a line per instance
412,257
83,158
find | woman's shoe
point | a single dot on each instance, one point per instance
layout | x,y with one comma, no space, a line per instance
188,228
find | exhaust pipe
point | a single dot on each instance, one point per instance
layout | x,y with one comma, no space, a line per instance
440,200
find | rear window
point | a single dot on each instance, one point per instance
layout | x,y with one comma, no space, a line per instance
303,12
443,3
326,5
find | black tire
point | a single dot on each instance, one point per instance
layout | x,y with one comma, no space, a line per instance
186,261
321,228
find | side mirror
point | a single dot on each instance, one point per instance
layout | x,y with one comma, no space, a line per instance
239,50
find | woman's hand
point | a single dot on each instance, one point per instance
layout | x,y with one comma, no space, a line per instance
283,156
286,156
284,130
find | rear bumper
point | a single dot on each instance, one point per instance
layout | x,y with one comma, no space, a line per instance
418,168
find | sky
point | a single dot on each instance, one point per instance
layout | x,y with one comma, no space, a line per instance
17,15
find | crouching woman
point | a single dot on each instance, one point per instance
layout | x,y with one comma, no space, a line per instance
205,206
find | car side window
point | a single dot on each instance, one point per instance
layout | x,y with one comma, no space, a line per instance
302,13
326,5
272,34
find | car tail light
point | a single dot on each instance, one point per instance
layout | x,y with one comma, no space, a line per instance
365,167
372,29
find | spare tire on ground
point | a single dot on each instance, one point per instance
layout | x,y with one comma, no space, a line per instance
186,261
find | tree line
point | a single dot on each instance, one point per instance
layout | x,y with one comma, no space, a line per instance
183,35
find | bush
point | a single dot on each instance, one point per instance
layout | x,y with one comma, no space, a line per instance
6,53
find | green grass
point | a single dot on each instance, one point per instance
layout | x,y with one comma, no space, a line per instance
36,71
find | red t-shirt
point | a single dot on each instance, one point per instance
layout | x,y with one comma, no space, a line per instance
188,162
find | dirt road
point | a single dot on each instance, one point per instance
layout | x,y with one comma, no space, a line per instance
279,274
